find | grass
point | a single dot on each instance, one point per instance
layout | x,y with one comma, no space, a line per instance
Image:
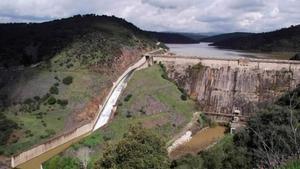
144,84
85,86
292,165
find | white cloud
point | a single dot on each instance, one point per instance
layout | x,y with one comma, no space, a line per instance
165,15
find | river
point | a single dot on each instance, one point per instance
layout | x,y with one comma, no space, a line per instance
200,141
203,49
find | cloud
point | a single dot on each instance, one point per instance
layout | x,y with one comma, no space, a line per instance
165,15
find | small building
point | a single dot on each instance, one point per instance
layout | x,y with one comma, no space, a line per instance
235,122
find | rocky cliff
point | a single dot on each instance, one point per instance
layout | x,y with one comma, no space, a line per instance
222,86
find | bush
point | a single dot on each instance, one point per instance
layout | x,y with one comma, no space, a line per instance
6,127
53,90
183,97
128,114
139,148
28,101
127,98
51,100
37,98
68,80
62,102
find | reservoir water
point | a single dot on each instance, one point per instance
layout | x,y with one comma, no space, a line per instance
205,50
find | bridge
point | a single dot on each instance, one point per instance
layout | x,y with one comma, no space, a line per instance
221,85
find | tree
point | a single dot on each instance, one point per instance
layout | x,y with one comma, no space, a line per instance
51,100
272,136
68,80
62,163
139,149
53,90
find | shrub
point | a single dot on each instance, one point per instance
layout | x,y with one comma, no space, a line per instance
28,101
37,98
127,98
53,90
62,102
68,80
129,114
51,100
183,97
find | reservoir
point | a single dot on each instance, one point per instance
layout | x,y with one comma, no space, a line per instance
204,49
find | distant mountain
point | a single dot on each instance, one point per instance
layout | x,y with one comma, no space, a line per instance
176,38
225,36
286,39
195,36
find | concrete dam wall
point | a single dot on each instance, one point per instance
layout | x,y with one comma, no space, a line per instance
223,85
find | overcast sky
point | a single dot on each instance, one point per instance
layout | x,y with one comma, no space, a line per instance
165,15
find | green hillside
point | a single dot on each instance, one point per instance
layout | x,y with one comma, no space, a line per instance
148,99
283,40
55,74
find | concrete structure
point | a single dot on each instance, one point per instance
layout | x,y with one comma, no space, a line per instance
221,85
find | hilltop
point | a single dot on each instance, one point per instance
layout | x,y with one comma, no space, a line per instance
173,38
25,44
286,39
225,36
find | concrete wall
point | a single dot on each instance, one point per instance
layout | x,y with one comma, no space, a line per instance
222,85
83,130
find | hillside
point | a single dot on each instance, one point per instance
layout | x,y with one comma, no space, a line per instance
221,37
195,36
173,38
286,39
25,44
55,74
148,99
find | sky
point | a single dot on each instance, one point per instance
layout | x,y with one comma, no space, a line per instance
165,15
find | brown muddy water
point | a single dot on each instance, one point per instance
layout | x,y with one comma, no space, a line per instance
200,141
36,162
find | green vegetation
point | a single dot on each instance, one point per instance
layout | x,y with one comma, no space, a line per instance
6,128
36,117
291,165
154,102
127,98
283,40
62,163
89,39
269,140
67,80
138,149
51,100
62,102
53,90
42,60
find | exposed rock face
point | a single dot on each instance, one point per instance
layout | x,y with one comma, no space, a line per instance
224,86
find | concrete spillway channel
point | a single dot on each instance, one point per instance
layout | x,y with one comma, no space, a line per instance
103,118
111,102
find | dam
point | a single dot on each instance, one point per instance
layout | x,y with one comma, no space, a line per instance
223,85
